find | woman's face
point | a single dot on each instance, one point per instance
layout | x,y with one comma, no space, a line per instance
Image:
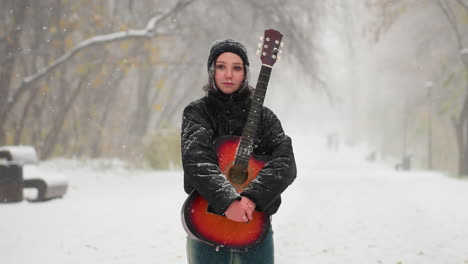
229,72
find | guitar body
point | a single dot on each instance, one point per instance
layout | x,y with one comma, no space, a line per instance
218,230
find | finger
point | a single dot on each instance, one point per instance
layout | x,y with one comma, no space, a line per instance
236,218
248,202
248,213
242,216
249,209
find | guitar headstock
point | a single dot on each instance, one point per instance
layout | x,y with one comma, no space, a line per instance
270,47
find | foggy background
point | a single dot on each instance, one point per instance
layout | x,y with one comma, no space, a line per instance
98,89
109,79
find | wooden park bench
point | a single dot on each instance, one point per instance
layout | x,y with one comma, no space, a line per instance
19,170
47,186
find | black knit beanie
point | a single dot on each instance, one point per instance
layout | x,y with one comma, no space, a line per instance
228,45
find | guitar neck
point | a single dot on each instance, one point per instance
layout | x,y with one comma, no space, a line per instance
254,118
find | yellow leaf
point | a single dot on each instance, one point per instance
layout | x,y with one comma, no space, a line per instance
66,125
124,46
52,29
82,69
154,54
68,42
123,63
45,88
62,24
9,139
465,17
98,20
147,45
104,71
160,85
158,107
97,82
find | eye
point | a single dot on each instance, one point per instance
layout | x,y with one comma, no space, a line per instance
220,66
238,68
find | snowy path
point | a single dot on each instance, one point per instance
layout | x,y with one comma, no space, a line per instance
340,210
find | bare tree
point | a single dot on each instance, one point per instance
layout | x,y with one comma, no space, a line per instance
453,12
83,82
15,13
460,123
14,95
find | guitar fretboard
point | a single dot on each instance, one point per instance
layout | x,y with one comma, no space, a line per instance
254,117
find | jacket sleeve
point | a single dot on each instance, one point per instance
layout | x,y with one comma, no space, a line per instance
280,171
200,162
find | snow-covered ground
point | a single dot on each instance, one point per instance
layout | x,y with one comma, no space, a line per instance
339,210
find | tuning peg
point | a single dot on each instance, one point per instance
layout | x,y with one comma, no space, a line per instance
259,45
264,53
261,37
282,44
273,56
258,53
277,42
280,51
279,58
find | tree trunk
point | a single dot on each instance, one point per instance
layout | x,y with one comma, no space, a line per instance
97,146
8,48
51,139
461,133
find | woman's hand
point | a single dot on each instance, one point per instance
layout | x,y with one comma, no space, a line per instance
240,211
250,206
236,212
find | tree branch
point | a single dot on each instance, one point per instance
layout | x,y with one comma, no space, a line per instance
148,32
463,4
450,17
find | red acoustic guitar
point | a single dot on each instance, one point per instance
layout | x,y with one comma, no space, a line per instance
240,167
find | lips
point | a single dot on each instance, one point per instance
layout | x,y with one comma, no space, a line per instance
228,83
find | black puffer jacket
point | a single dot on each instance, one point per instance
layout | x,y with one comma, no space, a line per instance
216,115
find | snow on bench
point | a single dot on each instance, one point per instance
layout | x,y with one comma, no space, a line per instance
47,186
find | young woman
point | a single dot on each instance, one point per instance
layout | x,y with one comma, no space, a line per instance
223,111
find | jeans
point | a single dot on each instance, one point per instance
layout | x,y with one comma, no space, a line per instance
201,253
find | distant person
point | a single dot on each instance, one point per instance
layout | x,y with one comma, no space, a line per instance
405,163
222,112
332,141
372,156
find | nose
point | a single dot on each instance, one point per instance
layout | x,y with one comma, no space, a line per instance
228,73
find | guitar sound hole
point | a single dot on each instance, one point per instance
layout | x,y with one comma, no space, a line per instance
238,174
